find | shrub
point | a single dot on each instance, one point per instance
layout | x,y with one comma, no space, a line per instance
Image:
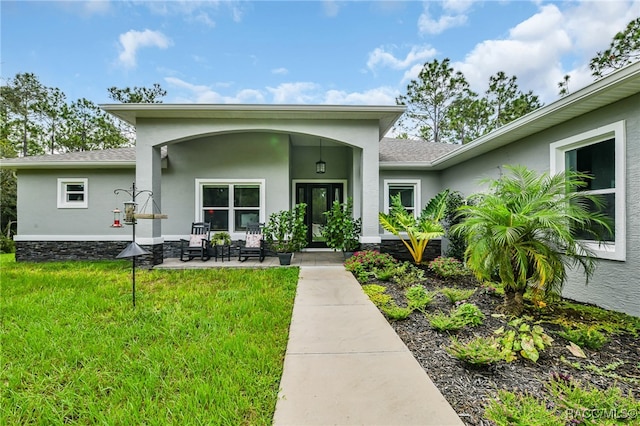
395,312
364,263
470,314
463,315
408,274
377,294
481,351
456,294
385,274
521,338
446,267
7,245
418,298
585,337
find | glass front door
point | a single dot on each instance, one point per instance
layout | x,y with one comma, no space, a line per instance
318,197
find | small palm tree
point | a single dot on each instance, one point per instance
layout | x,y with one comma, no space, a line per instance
523,232
418,231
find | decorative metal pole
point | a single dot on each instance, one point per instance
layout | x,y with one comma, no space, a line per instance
133,249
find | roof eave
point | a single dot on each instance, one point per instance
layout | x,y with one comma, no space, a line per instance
405,165
70,165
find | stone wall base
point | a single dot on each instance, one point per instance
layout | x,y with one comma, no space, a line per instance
398,250
50,251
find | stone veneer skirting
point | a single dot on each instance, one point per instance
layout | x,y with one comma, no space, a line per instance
48,251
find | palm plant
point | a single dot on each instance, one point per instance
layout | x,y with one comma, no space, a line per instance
523,232
418,230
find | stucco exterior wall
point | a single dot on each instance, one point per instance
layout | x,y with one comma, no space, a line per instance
230,156
40,218
616,284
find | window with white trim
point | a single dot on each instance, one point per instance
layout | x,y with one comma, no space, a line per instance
599,153
73,193
409,191
230,206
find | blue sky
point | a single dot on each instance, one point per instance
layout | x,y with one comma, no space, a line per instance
311,52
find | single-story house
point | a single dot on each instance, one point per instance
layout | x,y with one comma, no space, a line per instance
234,164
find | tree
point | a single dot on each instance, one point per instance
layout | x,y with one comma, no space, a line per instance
467,118
563,86
22,99
522,232
429,98
418,231
145,95
51,108
507,101
623,50
88,128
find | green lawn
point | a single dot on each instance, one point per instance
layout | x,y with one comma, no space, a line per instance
200,347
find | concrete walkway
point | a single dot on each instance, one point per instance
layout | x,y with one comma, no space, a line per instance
345,365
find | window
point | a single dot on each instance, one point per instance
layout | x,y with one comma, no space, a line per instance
72,193
409,191
600,153
230,206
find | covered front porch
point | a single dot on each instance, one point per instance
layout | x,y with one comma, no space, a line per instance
304,258
269,150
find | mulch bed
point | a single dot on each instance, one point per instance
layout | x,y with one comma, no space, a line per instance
468,389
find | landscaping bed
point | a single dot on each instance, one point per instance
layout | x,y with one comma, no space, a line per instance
470,389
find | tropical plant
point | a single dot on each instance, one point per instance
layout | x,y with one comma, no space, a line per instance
221,239
286,231
480,351
523,232
446,267
520,338
342,231
419,230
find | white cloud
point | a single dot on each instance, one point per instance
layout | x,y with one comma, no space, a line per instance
376,96
133,40
201,94
280,71
382,58
428,25
295,93
559,39
331,8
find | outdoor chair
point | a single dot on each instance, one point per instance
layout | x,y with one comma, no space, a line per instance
254,243
198,244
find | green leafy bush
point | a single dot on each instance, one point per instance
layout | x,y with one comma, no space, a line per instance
377,294
418,298
7,245
386,274
521,338
571,403
481,351
457,294
395,312
585,337
463,315
384,302
446,267
363,264
407,274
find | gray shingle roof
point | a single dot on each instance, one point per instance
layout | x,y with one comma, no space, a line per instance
412,151
391,150
107,155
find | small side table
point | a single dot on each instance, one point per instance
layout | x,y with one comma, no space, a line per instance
222,252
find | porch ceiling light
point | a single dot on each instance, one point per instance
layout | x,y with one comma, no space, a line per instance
321,166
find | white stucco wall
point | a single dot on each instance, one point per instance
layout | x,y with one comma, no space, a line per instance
616,284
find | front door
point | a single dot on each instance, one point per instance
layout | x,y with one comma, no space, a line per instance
318,197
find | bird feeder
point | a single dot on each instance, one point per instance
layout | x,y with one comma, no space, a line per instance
116,218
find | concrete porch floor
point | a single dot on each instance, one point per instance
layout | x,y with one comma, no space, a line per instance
305,258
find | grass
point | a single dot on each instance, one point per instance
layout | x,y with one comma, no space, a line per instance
200,347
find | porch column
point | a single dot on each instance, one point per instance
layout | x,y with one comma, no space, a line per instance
148,177
370,192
